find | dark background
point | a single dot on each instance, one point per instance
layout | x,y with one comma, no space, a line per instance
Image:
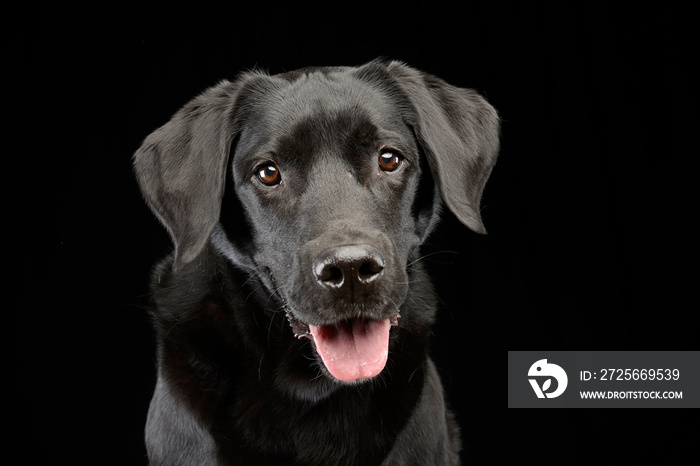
590,210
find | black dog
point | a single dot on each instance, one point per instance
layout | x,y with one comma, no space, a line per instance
294,316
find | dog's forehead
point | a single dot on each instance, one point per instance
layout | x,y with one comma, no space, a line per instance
329,90
318,107
322,95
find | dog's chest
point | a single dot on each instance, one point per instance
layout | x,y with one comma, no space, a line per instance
341,431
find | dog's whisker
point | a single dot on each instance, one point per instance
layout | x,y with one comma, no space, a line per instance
412,282
410,377
269,329
429,255
260,367
420,302
252,292
395,305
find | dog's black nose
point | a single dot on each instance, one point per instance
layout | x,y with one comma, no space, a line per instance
349,271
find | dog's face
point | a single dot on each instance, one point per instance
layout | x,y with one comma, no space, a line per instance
327,173
329,180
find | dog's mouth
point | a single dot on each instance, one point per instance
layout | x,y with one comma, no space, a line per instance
351,350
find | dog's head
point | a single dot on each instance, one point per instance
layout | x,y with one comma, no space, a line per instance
322,183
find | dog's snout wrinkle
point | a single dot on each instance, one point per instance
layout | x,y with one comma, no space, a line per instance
349,271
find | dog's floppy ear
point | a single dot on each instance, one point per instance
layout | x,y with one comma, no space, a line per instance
181,169
459,133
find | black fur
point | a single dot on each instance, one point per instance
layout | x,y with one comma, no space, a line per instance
234,384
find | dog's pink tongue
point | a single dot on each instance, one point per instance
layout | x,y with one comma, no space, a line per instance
353,350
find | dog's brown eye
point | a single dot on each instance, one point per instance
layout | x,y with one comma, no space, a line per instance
269,174
389,161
